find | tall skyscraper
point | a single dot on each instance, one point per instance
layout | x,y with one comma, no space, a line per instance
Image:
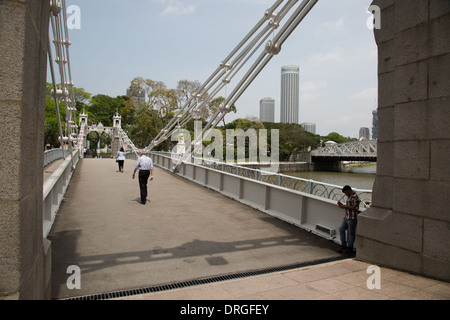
290,94
267,110
364,133
375,124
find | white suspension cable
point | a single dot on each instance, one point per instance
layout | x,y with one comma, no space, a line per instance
64,95
234,63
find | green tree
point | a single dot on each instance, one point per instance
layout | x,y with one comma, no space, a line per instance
293,139
146,127
127,112
185,91
51,131
334,136
215,105
102,108
159,97
81,98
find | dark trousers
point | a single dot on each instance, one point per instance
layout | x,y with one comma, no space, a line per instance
120,162
349,225
143,179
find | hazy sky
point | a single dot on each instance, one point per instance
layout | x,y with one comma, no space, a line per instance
172,40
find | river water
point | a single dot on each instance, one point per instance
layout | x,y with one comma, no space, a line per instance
361,177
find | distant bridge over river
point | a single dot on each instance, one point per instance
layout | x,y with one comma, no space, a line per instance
329,157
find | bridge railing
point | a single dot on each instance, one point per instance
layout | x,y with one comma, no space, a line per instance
55,187
309,211
53,155
316,188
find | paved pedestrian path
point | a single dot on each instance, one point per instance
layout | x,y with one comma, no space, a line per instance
341,280
185,231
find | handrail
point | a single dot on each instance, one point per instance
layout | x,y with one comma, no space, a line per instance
317,188
54,189
53,155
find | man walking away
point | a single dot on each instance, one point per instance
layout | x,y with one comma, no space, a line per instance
350,220
145,166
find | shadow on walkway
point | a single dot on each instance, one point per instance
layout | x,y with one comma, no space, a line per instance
184,232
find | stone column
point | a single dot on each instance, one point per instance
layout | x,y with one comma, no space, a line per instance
24,253
408,227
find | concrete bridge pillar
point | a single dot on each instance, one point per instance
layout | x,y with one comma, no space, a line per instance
408,227
24,254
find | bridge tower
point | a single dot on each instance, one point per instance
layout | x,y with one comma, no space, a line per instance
117,124
83,121
25,263
408,226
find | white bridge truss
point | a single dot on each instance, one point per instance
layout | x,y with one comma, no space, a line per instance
355,149
126,142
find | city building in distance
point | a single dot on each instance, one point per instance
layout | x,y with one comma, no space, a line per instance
267,110
290,94
309,126
364,133
375,125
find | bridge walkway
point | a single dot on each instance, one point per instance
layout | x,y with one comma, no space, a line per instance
189,232
184,232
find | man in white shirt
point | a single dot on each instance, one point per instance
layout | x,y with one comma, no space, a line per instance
145,166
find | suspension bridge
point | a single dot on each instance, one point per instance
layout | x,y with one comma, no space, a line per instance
104,228
101,203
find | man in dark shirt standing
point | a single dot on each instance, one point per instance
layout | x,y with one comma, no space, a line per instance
145,166
350,220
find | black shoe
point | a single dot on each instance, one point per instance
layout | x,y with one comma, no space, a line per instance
349,251
342,249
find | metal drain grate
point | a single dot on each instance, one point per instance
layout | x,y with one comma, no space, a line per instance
200,281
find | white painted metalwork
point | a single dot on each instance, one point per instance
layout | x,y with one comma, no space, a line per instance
63,93
126,142
53,155
364,148
55,188
70,140
316,188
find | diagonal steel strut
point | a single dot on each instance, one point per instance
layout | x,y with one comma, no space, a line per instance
253,42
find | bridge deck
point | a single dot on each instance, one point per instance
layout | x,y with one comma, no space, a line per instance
184,232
